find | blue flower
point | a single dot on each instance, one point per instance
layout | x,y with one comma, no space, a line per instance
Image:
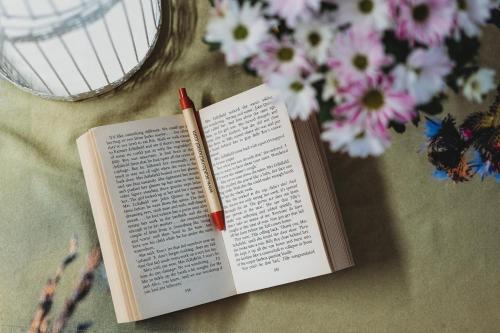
483,167
440,175
432,127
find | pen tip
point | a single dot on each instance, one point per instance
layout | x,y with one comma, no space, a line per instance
183,93
218,220
184,99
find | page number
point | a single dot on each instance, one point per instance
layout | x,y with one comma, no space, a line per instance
187,290
276,269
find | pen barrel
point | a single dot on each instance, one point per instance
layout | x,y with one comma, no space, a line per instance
201,158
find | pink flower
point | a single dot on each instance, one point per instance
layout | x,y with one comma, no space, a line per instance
292,10
425,21
357,55
373,103
360,125
282,57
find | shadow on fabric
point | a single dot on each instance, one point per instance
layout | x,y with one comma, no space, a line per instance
368,219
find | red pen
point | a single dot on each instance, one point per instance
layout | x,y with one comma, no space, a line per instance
206,175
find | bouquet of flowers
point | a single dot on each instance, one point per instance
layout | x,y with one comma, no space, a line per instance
366,66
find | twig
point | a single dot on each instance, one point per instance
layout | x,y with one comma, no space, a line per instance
81,290
39,323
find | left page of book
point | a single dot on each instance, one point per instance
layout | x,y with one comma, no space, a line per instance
174,257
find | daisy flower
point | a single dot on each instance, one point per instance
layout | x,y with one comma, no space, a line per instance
354,140
423,74
292,11
331,87
374,102
239,30
476,86
471,14
366,14
425,21
279,56
298,94
357,54
315,37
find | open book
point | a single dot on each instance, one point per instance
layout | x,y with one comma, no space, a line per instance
161,251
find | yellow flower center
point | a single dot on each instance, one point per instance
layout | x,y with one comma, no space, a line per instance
462,4
360,61
285,54
365,6
296,86
240,32
373,99
314,38
421,13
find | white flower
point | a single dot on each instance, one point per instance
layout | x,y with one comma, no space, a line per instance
238,30
424,72
292,10
315,37
331,87
353,140
476,86
366,14
365,145
471,14
297,93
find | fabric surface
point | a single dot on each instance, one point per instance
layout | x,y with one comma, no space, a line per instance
427,252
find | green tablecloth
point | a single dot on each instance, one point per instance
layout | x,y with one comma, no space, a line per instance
427,253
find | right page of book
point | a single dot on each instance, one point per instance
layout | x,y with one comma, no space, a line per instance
272,235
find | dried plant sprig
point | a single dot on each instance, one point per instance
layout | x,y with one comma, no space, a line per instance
39,323
80,292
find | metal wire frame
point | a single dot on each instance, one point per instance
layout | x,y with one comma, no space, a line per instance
8,71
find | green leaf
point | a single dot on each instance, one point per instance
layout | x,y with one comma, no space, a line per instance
212,46
495,17
398,127
463,51
434,107
416,120
400,49
247,68
325,110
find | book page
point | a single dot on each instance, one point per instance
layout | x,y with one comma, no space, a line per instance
272,234
174,256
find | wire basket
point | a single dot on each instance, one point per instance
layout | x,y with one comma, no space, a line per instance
75,49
